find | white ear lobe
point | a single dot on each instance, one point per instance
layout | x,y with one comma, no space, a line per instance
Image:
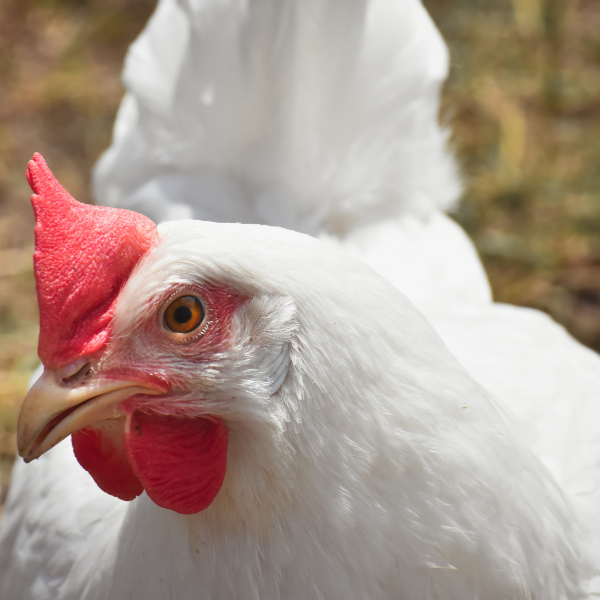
263,329
267,319
278,369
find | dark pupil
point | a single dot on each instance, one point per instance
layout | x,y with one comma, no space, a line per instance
182,314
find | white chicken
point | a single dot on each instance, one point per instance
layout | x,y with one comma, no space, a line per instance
290,426
321,116
309,434
317,115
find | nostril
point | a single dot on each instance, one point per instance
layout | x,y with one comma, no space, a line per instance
76,371
84,372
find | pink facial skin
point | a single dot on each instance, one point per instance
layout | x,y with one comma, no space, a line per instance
180,462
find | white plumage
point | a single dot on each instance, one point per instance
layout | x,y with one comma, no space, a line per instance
379,468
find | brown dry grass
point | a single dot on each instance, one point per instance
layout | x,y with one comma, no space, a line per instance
523,101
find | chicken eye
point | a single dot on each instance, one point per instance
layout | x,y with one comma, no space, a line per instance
184,314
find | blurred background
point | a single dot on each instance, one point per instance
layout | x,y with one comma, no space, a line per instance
522,101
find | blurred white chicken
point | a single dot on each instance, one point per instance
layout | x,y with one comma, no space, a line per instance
377,468
318,116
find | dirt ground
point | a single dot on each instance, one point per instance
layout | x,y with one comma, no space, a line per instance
522,101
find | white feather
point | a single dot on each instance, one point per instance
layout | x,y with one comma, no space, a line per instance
311,115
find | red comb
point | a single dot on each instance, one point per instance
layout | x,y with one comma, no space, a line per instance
83,256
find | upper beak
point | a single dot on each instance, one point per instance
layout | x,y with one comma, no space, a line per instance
52,411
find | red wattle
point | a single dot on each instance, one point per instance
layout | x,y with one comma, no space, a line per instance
103,456
180,462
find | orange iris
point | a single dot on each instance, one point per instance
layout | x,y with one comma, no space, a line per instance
184,314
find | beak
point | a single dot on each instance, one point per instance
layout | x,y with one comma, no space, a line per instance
52,411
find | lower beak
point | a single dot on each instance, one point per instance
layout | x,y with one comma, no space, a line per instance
52,411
